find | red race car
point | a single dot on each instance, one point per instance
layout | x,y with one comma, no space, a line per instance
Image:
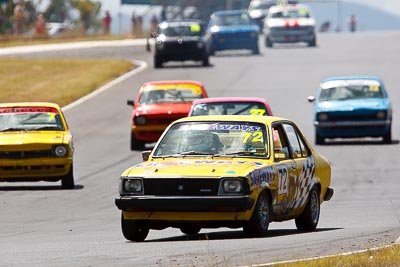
231,106
159,103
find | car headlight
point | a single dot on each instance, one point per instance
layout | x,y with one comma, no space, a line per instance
322,116
160,45
231,186
60,151
130,186
140,120
381,114
200,45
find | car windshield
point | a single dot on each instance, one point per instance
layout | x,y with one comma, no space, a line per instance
230,19
217,138
179,94
291,14
181,30
260,5
30,119
351,92
230,108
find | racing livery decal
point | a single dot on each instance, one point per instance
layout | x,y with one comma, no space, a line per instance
262,177
304,183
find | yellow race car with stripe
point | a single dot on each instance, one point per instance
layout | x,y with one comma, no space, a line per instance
225,171
35,144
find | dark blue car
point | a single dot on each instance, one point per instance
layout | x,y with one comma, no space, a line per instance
232,30
352,107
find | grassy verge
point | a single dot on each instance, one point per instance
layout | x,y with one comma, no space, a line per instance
9,41
56,80
383,257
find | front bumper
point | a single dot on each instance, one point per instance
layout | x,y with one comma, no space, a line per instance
353,128
232,42
185,204
292,36
46,169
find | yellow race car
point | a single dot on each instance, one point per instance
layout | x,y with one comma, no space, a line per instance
35,144
225,171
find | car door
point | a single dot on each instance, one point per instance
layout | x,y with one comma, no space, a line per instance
285,168
302,179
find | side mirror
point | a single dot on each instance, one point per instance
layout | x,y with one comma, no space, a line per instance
130,103
146,155
311,98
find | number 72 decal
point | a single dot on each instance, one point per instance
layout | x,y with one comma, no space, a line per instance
283,179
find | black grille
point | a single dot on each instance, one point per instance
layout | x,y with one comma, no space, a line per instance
353,116
179,46
234,35
181,187
26,154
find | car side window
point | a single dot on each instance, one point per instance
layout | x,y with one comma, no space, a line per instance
281,150
297,146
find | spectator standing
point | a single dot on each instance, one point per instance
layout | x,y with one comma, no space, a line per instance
154,24
139,26
40,25
352,21
1,20
133,23
107,23
19,18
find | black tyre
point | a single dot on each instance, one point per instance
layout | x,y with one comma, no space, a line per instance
206,61
259,222
157,62
308,219
268,42
190,229
313,42
136,144
134,230
387,138
256,51
319,140
67,182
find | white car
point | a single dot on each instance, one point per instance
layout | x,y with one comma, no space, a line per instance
289,24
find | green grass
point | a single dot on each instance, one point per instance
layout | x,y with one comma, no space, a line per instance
56,80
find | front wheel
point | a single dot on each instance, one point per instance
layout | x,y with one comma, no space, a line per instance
136,144
134,230
190,229
308,219
67,182
313,42
256,51
268,42
157,62
259,222
387,138
206,61
319,140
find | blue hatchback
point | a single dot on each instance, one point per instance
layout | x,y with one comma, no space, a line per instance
232,30
352,107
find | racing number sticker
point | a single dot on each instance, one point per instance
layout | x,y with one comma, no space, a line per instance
255,137
257,112
374,88
283,179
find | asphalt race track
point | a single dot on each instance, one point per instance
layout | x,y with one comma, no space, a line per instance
42,225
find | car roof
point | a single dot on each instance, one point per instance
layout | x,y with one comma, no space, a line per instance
161,82
182,22
229,99
278,8
229,12
355,77
236,118
30,104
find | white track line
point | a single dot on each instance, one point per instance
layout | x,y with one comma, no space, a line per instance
141,66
